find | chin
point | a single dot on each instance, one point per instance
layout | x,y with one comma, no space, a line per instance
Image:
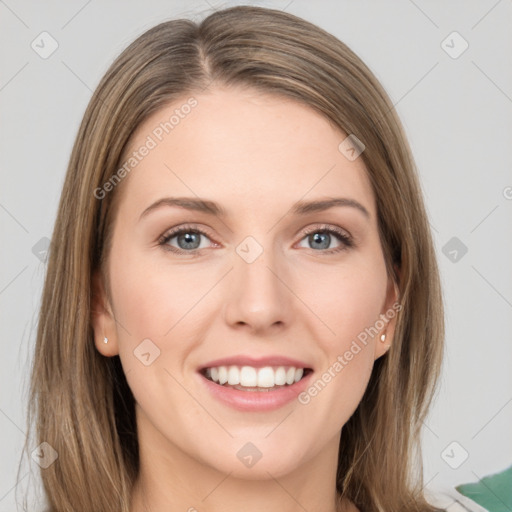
258,460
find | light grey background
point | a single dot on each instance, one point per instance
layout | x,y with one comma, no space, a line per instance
457,114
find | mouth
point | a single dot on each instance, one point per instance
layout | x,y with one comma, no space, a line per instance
255,379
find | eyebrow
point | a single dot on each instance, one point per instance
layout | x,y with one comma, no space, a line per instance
213,208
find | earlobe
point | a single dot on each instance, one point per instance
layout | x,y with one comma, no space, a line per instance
386,344
102,319
388,318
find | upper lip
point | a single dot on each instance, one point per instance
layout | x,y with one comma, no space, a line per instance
259,362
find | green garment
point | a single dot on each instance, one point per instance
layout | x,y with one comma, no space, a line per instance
493,492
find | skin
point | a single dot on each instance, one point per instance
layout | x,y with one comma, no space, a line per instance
256,155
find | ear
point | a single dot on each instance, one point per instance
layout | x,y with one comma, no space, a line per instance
388,318
102,319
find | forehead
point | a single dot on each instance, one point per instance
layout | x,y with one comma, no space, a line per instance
243,148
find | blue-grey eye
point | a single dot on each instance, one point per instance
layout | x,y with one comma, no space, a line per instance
320,240
186,239
189,240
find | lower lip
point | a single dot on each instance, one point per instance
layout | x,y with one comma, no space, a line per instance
256,401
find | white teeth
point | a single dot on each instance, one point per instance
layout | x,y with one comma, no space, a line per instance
266,377
280,376
247,376
233,376
223,375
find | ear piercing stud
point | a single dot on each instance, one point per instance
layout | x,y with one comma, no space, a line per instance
383,340
105,340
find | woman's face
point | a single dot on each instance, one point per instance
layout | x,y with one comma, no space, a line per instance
262,278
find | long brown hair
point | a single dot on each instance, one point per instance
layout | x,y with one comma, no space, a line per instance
80,401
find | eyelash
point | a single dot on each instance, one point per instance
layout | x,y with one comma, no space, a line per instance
345,239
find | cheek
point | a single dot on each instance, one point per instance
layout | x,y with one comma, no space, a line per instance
151,305
148,298
347,299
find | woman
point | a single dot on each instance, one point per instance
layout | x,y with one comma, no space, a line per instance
242,306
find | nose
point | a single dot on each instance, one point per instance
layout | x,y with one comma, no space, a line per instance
257,294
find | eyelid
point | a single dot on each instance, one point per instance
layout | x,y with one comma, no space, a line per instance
326,227
176,230
183,227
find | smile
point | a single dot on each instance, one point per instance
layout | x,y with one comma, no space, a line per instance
249,378
249,384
